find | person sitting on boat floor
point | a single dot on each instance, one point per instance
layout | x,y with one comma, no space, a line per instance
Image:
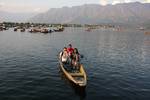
76,59
70,52
64,56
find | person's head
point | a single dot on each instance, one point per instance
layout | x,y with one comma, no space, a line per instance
70,46
65,49
76,50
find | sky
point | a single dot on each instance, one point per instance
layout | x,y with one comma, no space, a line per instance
16,6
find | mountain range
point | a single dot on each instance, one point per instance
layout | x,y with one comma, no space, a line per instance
128,13
15,17
94,14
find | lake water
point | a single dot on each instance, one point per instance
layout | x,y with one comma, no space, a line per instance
117,65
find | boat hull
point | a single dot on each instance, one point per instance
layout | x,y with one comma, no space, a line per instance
78,78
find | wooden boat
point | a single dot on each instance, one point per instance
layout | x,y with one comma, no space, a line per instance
79,77
16,28
88,30
44,30
59,29
22,30
1,29
147,33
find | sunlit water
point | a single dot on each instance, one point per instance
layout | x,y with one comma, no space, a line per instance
117,65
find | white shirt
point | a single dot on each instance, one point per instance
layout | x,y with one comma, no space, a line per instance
64,57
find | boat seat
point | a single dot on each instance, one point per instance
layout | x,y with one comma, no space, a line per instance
76,74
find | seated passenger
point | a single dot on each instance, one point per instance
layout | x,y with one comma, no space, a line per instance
70,52
76,58
64,55
70,49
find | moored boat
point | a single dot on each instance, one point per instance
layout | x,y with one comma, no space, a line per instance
59,29
22,30
44,30
1,29
16,28
88,30
147,33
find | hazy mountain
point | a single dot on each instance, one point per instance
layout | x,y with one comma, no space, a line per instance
94,13
15,17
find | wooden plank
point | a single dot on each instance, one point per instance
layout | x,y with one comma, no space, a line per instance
76,74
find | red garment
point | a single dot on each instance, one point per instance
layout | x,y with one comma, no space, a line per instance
70,50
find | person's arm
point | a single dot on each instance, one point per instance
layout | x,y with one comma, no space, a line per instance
77,58
60,55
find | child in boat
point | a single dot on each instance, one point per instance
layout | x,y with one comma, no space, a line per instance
76,59
70,52
64,55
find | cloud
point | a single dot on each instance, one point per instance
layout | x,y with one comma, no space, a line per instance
103,2
147,1
121,1
127,1
115,2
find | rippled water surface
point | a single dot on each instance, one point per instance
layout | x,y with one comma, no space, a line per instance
117,65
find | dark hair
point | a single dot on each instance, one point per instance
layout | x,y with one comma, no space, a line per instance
65,47
76,51
70,45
